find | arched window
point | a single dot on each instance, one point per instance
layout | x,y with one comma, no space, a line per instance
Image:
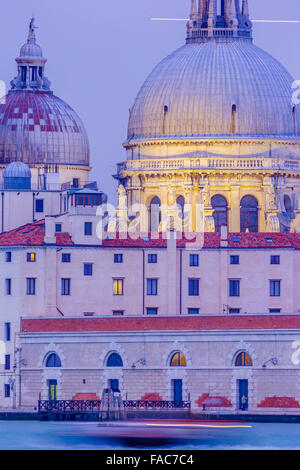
249,214
219,204
243,359
288,206
114,360
180,204
53,361
178,360
155,214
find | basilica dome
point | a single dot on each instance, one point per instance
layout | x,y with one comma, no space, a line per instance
214,87
37,127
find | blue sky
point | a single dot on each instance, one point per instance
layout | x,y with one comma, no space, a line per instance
99,53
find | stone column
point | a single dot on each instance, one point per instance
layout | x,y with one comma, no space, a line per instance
235,209
269,220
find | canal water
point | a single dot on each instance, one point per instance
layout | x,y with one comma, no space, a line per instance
32,435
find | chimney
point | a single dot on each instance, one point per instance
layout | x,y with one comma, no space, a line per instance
224,236
50,238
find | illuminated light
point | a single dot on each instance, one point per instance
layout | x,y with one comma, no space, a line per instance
200,425
118,287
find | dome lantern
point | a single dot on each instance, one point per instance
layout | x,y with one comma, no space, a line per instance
218,20
31,65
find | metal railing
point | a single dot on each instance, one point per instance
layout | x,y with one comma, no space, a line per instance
156,404
46,407
68,406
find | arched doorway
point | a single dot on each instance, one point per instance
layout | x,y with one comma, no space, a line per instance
243,359
220,214
114,360
52,361
177,360
249,214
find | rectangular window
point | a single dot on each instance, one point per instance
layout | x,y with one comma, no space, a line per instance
88,228
8,257
88,269
234,310
7,332
66,258
234,259
275,259
152,311
234,288
58,228
7,362
193,311
275,310
275,288
6,391
118,313
118,286
194,260
7,286
152,258
31,257
194,287
65,286
39,205
75,183
152,285
30,285
118,258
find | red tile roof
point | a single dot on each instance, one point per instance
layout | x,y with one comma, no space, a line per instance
32,235
261,240
160,323
213,240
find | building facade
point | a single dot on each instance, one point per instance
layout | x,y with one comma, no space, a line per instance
203,130
200,300
213,361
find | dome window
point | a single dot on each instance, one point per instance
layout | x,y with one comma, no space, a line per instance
233,113
155,214
249,214
220,206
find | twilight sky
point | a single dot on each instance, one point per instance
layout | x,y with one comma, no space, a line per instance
100,52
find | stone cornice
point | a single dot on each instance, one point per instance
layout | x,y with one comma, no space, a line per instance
212,140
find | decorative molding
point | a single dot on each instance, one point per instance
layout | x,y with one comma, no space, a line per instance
49,349
111,348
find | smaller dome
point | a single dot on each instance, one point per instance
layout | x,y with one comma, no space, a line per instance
17,170
31,50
